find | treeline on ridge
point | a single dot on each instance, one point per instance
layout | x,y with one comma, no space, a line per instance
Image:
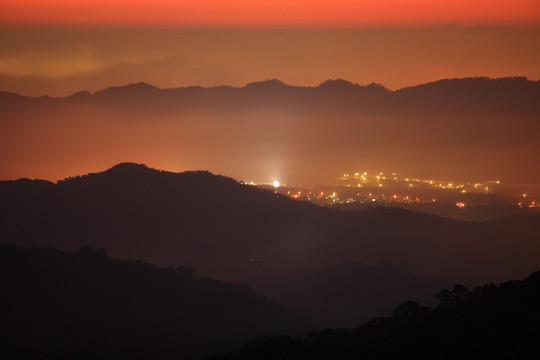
87,306
496,322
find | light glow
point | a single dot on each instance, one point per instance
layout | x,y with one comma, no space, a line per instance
235,12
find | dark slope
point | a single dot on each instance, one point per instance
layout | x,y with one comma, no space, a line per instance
489,322
235,232
85,305
345,294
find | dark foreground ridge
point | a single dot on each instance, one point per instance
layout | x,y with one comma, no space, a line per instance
489,322
85,305
338,268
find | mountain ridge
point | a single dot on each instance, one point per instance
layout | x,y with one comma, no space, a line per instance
127,308
489,321
240,233
277,84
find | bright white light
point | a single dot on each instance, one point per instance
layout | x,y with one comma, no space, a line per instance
276,184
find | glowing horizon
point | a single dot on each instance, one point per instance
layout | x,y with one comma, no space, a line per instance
265,12
60,47
61,61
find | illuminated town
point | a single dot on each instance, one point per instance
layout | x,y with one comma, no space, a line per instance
360,190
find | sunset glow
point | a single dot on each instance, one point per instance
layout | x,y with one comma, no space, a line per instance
247,12
205,156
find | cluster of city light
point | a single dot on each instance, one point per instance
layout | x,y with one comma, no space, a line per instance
381,179
365,177
391,182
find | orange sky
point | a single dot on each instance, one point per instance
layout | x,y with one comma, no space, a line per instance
244,12
60,61
59,47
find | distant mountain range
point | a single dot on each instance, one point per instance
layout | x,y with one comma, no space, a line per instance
470,129
477,86
454,95
340,268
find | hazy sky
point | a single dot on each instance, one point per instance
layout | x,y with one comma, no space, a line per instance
58,47
242,12
59,61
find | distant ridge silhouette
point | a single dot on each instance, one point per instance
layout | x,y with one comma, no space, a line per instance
337,84
128,167
270,83
503,83
131,88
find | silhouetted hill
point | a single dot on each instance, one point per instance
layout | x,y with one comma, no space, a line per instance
282,248
508,95
488,322
267,84
86,305
132,91
337,84
349,291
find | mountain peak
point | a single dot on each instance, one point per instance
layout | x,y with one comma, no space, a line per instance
128,166
269,83
140,87
130,170
80,94
337,83
135,86
344,86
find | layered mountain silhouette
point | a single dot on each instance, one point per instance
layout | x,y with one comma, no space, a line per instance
469,129
488,322
339,268
464,91
88,306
